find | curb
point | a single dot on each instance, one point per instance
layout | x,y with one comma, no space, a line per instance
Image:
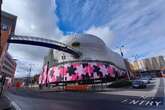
13,103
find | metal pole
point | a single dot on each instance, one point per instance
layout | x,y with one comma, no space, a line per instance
121,52
47,74
63,57
136,59
29,77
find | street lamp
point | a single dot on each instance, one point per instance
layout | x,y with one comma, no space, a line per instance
138,66
125,60
29,80
121,52
47,70
63,58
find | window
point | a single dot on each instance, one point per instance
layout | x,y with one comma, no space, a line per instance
76,44
4,27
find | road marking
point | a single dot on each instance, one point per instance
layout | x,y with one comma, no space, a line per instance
143,97
124,101
142,102
13,103
157,103
149,103
134,102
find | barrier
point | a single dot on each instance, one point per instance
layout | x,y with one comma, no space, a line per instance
77,88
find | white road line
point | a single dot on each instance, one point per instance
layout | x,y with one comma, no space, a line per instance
149,103
142,102
13,103
134,102
124,101
143,97
157,103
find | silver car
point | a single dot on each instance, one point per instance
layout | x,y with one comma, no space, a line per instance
146,80
138,84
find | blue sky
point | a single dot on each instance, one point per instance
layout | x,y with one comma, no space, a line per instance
138,24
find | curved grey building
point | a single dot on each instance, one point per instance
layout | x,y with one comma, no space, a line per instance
91,48
96,61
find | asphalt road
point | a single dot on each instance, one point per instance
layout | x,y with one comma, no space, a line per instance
34,100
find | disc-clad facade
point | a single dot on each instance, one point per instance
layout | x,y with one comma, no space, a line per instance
96,61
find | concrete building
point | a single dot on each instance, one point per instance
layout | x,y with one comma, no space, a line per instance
153,64
8,67
96,61
7,64
50,59
8,23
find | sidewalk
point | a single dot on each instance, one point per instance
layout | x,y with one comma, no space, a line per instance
4,103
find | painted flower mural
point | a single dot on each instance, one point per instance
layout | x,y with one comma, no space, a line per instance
80,71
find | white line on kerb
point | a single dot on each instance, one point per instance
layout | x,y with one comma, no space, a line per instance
14,104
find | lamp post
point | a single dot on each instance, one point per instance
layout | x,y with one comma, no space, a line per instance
121,52
125,62
29,80
63,58
47,69
138,66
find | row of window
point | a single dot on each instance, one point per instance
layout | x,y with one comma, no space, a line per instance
10,65
7,69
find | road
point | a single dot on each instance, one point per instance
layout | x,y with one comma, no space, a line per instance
34,100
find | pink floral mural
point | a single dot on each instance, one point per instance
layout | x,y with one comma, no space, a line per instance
79,71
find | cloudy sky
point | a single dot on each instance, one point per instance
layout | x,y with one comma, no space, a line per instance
137,24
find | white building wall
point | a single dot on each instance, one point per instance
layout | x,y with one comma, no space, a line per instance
92,48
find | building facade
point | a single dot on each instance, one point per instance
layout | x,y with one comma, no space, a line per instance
7,65
96,61
8,23
153,64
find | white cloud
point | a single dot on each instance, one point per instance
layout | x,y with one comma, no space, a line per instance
103,32
34,18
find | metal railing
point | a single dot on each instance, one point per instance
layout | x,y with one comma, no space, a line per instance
63,46
37,39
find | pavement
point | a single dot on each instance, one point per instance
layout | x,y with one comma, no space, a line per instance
27,99
5,103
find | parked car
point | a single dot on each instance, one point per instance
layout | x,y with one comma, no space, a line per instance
138,84
148,76
146,80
